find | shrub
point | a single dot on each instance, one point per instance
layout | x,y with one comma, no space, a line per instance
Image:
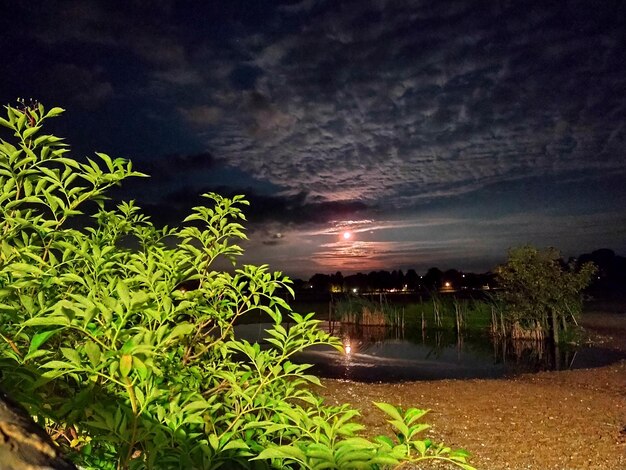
540,292
128,370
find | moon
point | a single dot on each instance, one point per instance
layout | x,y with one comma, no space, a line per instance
347,235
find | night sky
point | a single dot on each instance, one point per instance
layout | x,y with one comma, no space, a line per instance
438,133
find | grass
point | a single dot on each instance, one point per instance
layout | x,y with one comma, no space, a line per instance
440,312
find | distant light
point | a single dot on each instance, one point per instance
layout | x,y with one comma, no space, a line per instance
447,284
355,290
347,348
347,235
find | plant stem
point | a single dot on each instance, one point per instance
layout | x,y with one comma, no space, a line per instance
133,403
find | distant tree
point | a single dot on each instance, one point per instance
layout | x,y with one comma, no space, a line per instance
611,275
337,282
411,279
540,292
357,281
397,279
433,279
320,282
374,281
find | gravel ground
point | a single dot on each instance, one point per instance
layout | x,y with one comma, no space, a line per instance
573,419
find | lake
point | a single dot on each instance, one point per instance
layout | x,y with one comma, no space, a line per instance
381,354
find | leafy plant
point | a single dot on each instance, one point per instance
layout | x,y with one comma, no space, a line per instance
335,446
540,292
126,368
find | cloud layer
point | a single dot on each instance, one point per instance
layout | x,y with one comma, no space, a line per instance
325,112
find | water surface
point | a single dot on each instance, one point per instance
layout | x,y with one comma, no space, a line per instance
390,355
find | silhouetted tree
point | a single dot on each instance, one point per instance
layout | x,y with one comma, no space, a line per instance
337,281
357,281
433,279
412,279
611,275
320,282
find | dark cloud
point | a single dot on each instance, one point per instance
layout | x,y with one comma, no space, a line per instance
169,168
357,109
290,210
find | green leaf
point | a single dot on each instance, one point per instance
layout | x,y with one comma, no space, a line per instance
126,363
5,123
383,460
122,292
281,452
72,277
56,320
214,441
183,329
71,355
385,440
416,429
235,444
400,426
420,446
353,456
35,355
140,367
23,268
93,353
460,453
57,365
390,410
55,112
30,131
40,338
21,120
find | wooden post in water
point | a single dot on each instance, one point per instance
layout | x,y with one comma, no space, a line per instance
330,316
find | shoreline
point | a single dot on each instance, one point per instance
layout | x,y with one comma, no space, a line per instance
569,419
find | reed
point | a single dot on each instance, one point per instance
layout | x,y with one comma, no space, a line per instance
361,311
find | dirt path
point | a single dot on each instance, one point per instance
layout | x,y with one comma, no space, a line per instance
550,420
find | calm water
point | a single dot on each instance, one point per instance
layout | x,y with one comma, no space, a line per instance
388,355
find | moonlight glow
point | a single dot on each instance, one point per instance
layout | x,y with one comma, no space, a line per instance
347,235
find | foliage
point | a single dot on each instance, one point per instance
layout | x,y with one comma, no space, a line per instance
350,452
538,290
102,345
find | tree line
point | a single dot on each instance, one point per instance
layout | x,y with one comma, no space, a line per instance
609,279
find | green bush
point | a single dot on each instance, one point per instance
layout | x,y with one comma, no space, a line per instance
127,370
540,292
